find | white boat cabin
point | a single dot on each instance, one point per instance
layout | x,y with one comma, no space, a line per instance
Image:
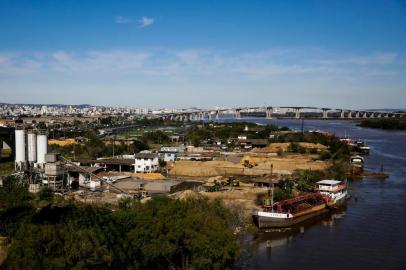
332,188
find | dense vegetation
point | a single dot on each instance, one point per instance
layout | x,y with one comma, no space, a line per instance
156,122
155,137
94,147
197,134
305,180
337,150
392,124
47,233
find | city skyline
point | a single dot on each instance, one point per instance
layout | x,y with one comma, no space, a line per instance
205,54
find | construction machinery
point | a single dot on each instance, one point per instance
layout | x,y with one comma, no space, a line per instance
232,182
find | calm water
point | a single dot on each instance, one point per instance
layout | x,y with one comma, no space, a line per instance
369,234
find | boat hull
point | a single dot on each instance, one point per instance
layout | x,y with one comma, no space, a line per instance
340,202
270,222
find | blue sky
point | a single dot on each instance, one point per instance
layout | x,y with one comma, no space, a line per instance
204,53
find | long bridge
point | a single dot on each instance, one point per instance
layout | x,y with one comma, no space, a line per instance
280,112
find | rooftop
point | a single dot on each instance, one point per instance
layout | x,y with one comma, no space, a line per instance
108,161
84,169
329,182
145,155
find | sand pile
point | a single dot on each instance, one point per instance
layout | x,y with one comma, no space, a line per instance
187,194
313,145
214,179
150,176
205,168
143,176
62,142
275,147
272,148
281,165
284,165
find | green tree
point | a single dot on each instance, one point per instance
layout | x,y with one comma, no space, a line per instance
14,193
161,234
94,146
46,194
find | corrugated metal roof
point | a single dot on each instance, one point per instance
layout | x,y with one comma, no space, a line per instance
145,155
83,168
109,161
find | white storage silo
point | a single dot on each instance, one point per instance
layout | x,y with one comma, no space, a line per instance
20,149
42,147
32,146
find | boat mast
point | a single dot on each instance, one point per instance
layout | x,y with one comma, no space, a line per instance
271,185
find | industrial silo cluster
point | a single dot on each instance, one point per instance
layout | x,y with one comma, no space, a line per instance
32,159
31,147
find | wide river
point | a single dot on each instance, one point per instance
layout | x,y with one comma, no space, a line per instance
370,233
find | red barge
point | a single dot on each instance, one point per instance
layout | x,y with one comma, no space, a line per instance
290,212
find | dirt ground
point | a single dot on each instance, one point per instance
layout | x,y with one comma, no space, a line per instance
246,196
242,199
62,142
284,165
275,147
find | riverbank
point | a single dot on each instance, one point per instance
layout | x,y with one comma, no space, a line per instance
376,210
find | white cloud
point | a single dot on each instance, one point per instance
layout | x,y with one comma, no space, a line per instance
61,56
3,59
122,20
378,58
196,64
145,21
189,56
165,76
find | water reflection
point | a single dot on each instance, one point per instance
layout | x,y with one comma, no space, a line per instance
272,238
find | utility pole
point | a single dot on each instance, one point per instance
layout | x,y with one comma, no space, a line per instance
272,185
270,189
114,144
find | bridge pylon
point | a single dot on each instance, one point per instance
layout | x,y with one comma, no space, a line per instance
297,113
238,113
269,111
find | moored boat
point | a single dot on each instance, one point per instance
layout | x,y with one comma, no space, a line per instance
362,148
333,191
356,165
358,146
290,212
